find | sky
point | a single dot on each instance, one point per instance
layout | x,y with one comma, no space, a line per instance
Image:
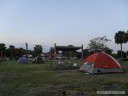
63,22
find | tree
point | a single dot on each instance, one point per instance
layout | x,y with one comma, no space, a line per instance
108,51
38,49
2,49
119,54
120,38
127,36
78,54
98,44
22,51
127,53
19,52
86,52
12,50
7,52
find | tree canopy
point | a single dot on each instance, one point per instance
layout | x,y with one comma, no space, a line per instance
121,37
38,49
2,49
98,43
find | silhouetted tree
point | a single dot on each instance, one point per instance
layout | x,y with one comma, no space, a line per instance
86,52
108,51
98,44
2,49
120,38
22,51
12,50
78,55
38,49
127,53
17,53
119,54
7,52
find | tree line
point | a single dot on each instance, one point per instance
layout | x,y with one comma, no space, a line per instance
14,53
97,44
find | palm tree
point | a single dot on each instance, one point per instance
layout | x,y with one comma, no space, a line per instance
120,38
38,50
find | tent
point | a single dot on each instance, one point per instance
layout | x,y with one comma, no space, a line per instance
100,63
38,60
22,60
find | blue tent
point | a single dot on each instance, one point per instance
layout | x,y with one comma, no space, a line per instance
22,60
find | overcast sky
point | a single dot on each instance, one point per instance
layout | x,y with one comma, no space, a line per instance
62,22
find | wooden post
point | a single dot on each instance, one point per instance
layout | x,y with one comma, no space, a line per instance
50,57
26,50
82,55
64,93
1,54
54,55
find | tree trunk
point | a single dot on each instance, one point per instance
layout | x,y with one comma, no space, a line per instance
1,54
121,52
11,54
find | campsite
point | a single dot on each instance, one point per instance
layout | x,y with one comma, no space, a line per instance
63,47
42,80
60,74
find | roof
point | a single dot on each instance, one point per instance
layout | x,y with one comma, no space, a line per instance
67,48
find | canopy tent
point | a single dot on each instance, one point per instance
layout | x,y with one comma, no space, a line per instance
67,48
100,63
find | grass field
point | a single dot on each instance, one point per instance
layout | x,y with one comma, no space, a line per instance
42,80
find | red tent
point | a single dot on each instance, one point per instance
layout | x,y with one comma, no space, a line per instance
100,63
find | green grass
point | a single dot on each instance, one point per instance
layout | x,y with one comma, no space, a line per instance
42,80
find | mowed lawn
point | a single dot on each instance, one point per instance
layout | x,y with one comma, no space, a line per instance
42,80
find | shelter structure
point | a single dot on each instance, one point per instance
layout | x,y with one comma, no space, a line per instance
100,63
66,55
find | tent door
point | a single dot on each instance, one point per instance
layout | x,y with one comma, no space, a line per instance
99,71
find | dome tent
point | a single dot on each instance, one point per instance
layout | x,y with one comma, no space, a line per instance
38,60
22,60
100,63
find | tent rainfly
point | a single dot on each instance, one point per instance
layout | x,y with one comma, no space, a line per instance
100,63
22,60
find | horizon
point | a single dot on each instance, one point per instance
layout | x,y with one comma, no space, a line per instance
62,22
